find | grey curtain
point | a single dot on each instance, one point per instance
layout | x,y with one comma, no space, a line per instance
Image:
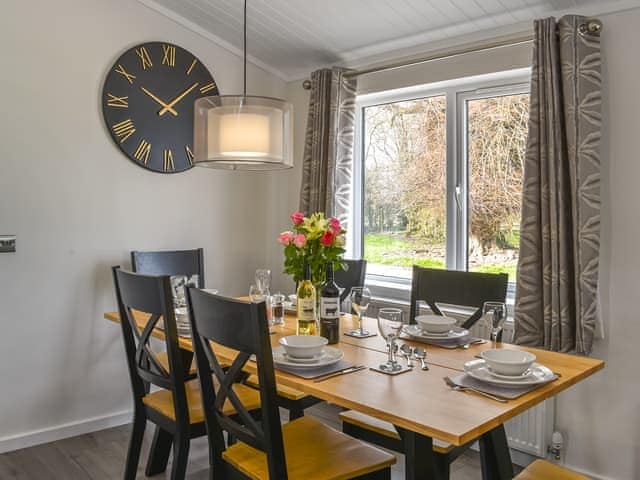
328,150
556,297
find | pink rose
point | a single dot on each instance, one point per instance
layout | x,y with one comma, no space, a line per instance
334,225
285,238
300,240
327,239
297,218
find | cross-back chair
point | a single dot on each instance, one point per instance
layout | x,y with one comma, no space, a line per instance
170,262
433,286
454,287
301,449
145,302
353,276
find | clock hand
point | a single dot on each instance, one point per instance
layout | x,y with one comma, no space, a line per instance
169,107
162,104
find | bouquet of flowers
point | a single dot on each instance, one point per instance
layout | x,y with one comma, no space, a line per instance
316,240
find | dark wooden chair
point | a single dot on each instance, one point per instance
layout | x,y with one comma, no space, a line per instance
177,407
433,286
175,262
301,449
454,287
352,277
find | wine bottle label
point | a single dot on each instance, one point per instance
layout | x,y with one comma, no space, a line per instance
330,307
306,309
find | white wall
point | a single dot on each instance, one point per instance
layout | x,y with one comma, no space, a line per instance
79,206
598,417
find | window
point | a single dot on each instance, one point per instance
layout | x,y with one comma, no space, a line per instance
438,175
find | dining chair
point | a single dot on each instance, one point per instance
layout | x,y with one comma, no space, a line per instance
455,287
353,276
176,407
303,449
433,286
170,262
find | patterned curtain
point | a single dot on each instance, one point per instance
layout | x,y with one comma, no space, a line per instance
557,286
328,150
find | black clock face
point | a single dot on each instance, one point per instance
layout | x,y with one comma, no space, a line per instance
147,102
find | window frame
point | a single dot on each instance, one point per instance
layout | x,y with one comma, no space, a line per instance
457,93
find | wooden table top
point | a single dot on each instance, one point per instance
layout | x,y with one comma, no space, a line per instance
418,400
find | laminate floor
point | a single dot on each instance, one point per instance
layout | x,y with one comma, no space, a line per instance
100,456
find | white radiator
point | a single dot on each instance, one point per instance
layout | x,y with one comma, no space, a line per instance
530,432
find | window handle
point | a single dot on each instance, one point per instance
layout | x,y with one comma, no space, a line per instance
457,197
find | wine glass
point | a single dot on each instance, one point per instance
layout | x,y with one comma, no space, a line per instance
495,314
257,294
263,278
360,298
390,321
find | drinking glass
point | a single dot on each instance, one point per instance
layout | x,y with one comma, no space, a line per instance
257,294
495,314
360,298
263,278
390,321
178,282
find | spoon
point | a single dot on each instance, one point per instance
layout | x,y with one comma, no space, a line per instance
407,351
421,354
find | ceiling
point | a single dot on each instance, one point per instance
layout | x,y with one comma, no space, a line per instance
290,38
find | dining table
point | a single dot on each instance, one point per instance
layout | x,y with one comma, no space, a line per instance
419,403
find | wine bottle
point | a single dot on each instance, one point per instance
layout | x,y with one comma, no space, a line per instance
306,304
330,307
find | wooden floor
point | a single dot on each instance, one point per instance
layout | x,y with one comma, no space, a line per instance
100,456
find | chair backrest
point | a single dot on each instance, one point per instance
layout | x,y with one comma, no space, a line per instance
177,262
454,287
241,326
352,277
143,302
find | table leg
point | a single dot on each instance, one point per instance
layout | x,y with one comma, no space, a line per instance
495,456
420,461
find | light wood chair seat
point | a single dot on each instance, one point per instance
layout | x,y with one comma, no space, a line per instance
362,420
543,470
163,359
162,401
283,391
313,451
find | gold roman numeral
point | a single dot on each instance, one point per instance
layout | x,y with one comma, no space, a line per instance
124,129
169,55
129,76
143,151
189,153
145,59
167,160
193,64
208,87
117,102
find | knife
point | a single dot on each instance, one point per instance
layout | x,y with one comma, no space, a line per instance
355,368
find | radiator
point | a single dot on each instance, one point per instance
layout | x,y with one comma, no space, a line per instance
530,432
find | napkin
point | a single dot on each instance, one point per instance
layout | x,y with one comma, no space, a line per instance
510,393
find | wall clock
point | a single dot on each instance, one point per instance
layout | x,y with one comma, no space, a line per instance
147,103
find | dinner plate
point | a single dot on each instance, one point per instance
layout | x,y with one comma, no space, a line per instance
329,356
479,370
416,332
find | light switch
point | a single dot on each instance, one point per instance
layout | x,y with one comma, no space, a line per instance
7,243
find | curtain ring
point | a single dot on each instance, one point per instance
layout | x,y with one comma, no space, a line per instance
592,26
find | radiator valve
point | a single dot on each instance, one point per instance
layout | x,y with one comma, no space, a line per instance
556,445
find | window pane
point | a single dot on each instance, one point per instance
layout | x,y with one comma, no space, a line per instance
405,186
497,135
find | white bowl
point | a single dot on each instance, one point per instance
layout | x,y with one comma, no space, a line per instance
435,323
293,298
303,346
508,362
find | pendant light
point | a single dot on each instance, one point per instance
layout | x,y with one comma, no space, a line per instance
241,132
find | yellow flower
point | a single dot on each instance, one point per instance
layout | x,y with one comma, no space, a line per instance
315,225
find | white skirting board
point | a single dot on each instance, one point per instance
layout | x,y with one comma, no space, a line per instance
58,432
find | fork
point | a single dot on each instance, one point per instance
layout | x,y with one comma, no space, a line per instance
460,388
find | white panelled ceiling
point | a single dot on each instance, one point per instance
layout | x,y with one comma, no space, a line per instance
293,37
